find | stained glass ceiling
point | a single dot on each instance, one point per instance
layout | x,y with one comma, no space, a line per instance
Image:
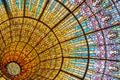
60,39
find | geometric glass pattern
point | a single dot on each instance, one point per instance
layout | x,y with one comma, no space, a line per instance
59,39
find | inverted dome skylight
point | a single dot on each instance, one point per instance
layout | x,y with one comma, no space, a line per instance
59,40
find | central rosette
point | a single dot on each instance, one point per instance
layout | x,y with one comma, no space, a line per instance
16,63
13,68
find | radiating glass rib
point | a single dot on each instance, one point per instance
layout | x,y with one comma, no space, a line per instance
9,14
91,32
116,7
72,74
6,8
34,28
21,26
70,57
42,61
43,9
70,12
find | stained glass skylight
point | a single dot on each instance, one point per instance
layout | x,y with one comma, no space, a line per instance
59,39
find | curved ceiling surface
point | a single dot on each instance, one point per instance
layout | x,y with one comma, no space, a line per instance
59,39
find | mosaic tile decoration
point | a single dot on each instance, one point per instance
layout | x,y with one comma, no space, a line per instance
60,39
